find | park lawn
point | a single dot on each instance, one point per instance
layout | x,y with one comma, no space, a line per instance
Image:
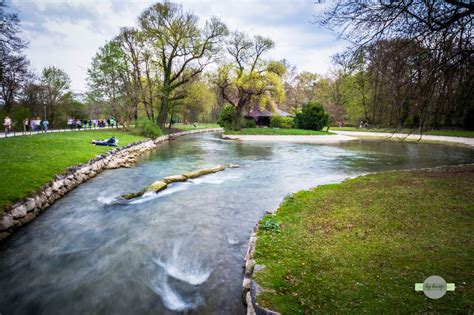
29,162
360,246
448,133
182,126
276,132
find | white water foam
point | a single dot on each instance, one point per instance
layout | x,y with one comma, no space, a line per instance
171,299
182,267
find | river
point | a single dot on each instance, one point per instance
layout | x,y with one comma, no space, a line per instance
182,250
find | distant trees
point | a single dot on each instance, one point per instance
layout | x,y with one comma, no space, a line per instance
56,90
411,64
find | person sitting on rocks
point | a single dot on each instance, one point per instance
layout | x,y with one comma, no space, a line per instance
111,142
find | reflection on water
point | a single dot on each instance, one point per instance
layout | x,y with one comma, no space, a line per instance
180,250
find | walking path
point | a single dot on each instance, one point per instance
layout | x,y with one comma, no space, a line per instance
460,140
30,133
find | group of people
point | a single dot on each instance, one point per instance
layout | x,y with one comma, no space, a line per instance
73,123
34,124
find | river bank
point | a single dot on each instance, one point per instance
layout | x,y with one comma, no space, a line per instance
30,206
360,246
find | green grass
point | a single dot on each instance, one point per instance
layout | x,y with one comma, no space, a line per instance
360,246
449,133
29,162
198,126
276,132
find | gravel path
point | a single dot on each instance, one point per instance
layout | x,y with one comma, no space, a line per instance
30,133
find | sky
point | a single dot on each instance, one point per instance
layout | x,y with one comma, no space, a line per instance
67,34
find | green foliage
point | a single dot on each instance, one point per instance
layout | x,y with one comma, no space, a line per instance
248,123
269,223
312,117
226,117
281,122
147,128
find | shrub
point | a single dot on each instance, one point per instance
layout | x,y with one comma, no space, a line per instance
270,224
147,128
226,117
281,122
312,117
248,123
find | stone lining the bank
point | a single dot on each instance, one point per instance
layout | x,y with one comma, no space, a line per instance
26,210
250,287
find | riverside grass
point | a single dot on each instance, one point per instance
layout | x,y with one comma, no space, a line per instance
360,246
29,162
276,131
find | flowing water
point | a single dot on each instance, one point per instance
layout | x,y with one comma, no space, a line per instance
181,250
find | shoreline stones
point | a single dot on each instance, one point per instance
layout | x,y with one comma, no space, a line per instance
126,156
160,185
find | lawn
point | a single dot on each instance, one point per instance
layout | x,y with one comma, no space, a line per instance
182,126
449,133
276,132
360,246
29,162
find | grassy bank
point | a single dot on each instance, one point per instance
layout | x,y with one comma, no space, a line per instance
276,132
360,246
29,162
181,126
448,133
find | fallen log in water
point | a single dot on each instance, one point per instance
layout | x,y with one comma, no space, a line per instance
160,185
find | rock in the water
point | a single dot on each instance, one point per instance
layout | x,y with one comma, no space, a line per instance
205,171
157,186
133,195
233,165
175,178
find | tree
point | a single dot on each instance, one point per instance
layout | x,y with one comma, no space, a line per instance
13,64
57,84
109,79
181,48
312,117
247,80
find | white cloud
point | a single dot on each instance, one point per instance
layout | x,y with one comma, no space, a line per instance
67,34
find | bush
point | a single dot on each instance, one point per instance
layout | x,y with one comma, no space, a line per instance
312,117
226,117
281,122
249,123
147,128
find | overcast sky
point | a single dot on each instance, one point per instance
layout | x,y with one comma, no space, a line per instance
67,34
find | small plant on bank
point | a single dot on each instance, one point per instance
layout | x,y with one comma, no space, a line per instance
312,117
147,128
269,224
281,122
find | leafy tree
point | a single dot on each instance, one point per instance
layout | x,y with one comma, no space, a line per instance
181,48
248,80
312,117
57,84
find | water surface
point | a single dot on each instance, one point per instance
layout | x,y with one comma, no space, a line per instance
181,250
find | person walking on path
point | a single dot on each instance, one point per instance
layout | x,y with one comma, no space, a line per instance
26,125
7,124
45,125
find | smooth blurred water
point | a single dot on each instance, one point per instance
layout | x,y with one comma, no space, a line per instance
181,250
